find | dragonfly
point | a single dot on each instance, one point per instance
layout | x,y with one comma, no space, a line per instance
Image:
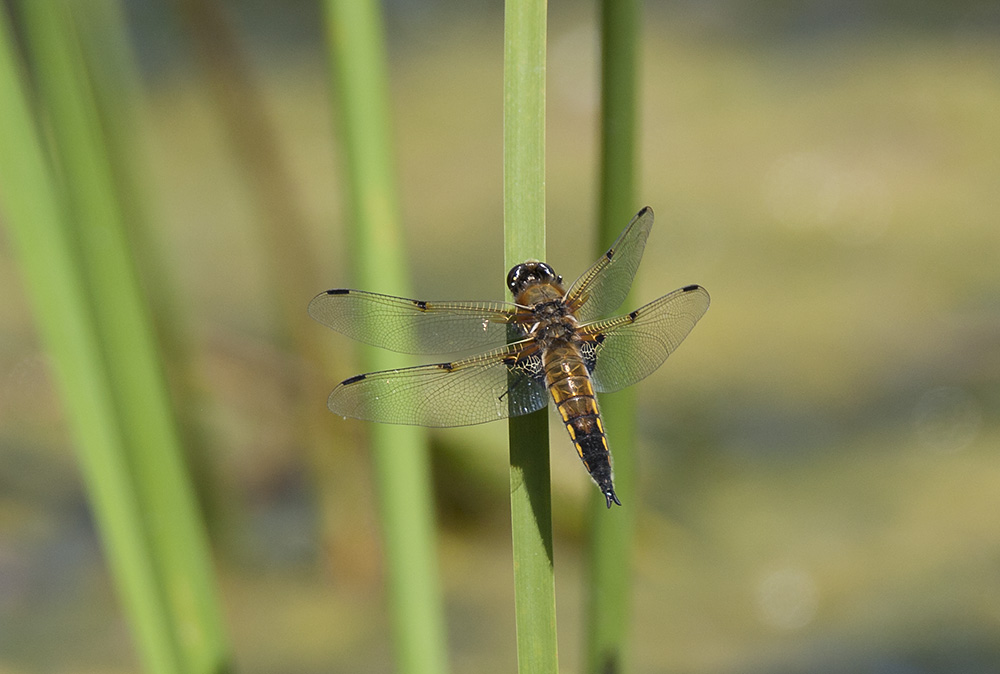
550,343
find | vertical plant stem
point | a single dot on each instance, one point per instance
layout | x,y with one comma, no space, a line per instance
144,412
609,577
114,399
116,85
402,471
524,236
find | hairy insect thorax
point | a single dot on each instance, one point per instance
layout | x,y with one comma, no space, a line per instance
551,322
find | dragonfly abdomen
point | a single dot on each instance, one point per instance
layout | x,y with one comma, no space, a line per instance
572,392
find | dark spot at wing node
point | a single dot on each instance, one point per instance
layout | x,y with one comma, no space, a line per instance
633,314
446,366
338,291
420,304
354,379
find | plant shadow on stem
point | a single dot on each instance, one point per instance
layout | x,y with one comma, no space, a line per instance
533,467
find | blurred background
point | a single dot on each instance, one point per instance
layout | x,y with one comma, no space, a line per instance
820,475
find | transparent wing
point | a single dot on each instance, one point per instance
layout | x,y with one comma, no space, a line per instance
413,326
503,383
629,348
603,287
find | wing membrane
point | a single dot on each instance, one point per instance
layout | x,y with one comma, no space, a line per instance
413,326
603,287
496,385
628,348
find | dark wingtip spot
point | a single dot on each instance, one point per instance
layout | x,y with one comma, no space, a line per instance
353,379
338,291
688,289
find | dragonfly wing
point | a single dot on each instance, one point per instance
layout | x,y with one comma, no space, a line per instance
603,287
628,348
503,383
413,326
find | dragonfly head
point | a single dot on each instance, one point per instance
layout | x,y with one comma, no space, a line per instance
530,273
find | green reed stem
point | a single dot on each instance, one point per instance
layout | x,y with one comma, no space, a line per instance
524,236
117,87
609,578
402,467
145,416
33,213
69,236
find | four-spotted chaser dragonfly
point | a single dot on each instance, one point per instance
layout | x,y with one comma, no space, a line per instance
549,342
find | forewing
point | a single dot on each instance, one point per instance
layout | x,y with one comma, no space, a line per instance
603,287
503,383
413,326
628,348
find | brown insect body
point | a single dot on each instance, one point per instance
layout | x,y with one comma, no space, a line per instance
550,345
567,377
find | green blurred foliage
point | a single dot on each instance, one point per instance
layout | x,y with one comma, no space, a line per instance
818,461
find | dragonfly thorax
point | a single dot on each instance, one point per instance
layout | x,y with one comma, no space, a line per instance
550,310
556,331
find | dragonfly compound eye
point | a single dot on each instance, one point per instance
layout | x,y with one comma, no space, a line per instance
529,273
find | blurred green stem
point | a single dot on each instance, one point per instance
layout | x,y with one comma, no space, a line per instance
70,238
402,470
524,236
609,578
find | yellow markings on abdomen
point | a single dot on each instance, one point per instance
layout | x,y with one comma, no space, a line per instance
573,393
